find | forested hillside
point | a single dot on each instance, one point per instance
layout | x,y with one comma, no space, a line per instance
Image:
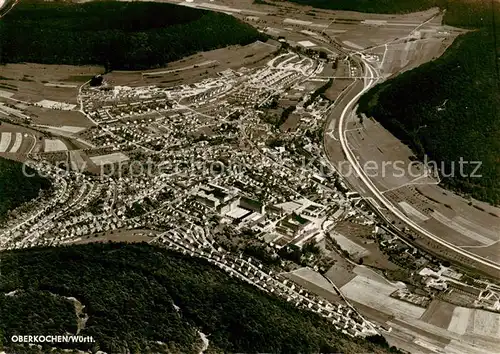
15,187
465,13
374,6
129,292
448,108
461,13
118,35
455,97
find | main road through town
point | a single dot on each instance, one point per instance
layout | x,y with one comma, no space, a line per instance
371,78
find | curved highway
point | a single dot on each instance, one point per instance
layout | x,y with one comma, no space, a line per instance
5,7
348,110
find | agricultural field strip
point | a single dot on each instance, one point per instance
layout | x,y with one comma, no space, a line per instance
376,295
465,323
371,274
109,159
459,320
54,145
9,110
76,160
459,332
56,105
460,347
353,45
491,234
475,322
60,85
5,141
485,323
350,246
412,212
428,342
6,94
64,128
461,229
163,72
17,143
313,277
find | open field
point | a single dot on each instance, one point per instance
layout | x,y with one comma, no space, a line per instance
109,159
475,322
67,129
375,294
408,55
337,88
363,286
11,142
474,225
421,334
360,234
492,252
354,250
56,105
450,119
54,145
16,140
5,141
197,67
314,26
371,142
454,218
77,161
30,82
341,272
315,283
57,118
440,327
460,320
180,70
128,236
438,313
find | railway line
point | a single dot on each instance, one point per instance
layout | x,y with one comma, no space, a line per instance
371,79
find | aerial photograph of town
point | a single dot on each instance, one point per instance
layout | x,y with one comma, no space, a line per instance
250,176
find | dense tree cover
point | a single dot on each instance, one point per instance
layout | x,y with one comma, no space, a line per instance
448,108
130,291
374,6
466,77
119,35
15,187
40,311
463,13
